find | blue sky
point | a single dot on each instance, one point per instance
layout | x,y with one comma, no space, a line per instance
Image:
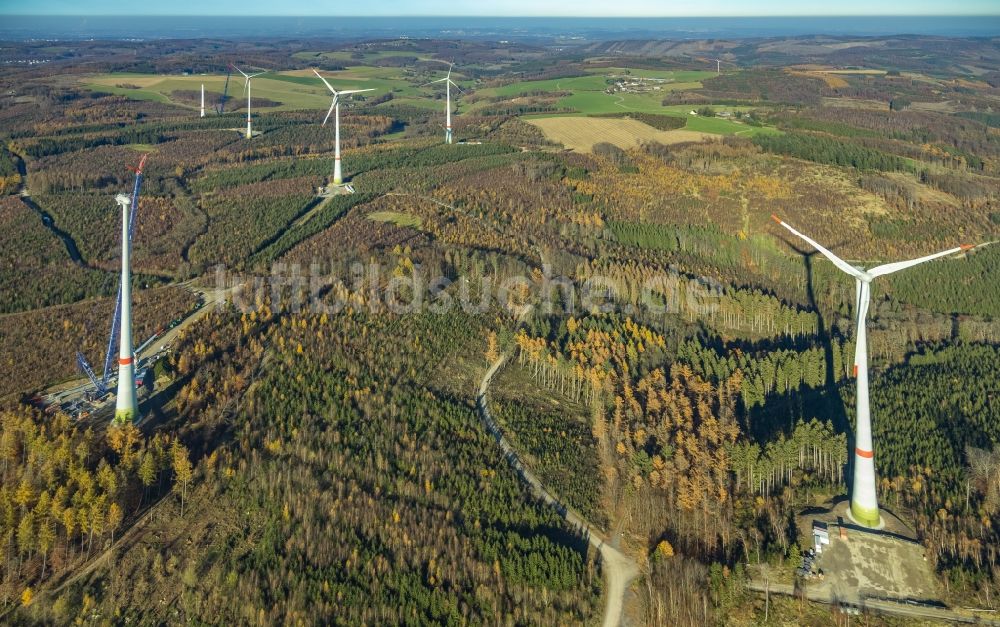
576,8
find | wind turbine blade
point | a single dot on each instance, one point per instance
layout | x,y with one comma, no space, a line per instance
889,268
456,86
239,70
837,261
257,74
450,66
332,105
328,85
861,348
865,301
354,91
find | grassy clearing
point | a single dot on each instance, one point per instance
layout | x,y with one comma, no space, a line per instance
143,147
581,133
396,217
722,126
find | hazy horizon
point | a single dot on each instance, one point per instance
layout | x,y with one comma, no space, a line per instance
489,27
510,8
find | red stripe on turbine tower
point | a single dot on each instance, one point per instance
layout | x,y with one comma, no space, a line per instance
124,361
863,453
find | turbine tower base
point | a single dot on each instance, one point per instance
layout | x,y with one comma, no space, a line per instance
338,177
865,517
124,416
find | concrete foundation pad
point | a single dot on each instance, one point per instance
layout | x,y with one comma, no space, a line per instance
341,189
863,563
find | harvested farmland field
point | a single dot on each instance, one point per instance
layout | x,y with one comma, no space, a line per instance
580,134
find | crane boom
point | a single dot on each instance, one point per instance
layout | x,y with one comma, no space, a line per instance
225,94
81,361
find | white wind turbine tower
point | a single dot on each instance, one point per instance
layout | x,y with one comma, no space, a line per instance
447,85
126,405
246,88
864,504
335,108
203,100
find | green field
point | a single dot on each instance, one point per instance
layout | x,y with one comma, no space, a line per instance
589,98
294,90
396,217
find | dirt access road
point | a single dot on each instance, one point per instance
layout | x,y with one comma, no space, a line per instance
619,569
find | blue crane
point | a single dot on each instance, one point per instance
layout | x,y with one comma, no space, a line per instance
84,365
221,108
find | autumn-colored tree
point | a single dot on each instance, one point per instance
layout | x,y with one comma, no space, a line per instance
114,519
183,470
492,351
69,524
46,538
147,471
26,535
664,549
24,494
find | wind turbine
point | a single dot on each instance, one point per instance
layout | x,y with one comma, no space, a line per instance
335,106
246,88
447,84
126,405
864,504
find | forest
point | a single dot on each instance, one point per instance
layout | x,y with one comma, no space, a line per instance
676,370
